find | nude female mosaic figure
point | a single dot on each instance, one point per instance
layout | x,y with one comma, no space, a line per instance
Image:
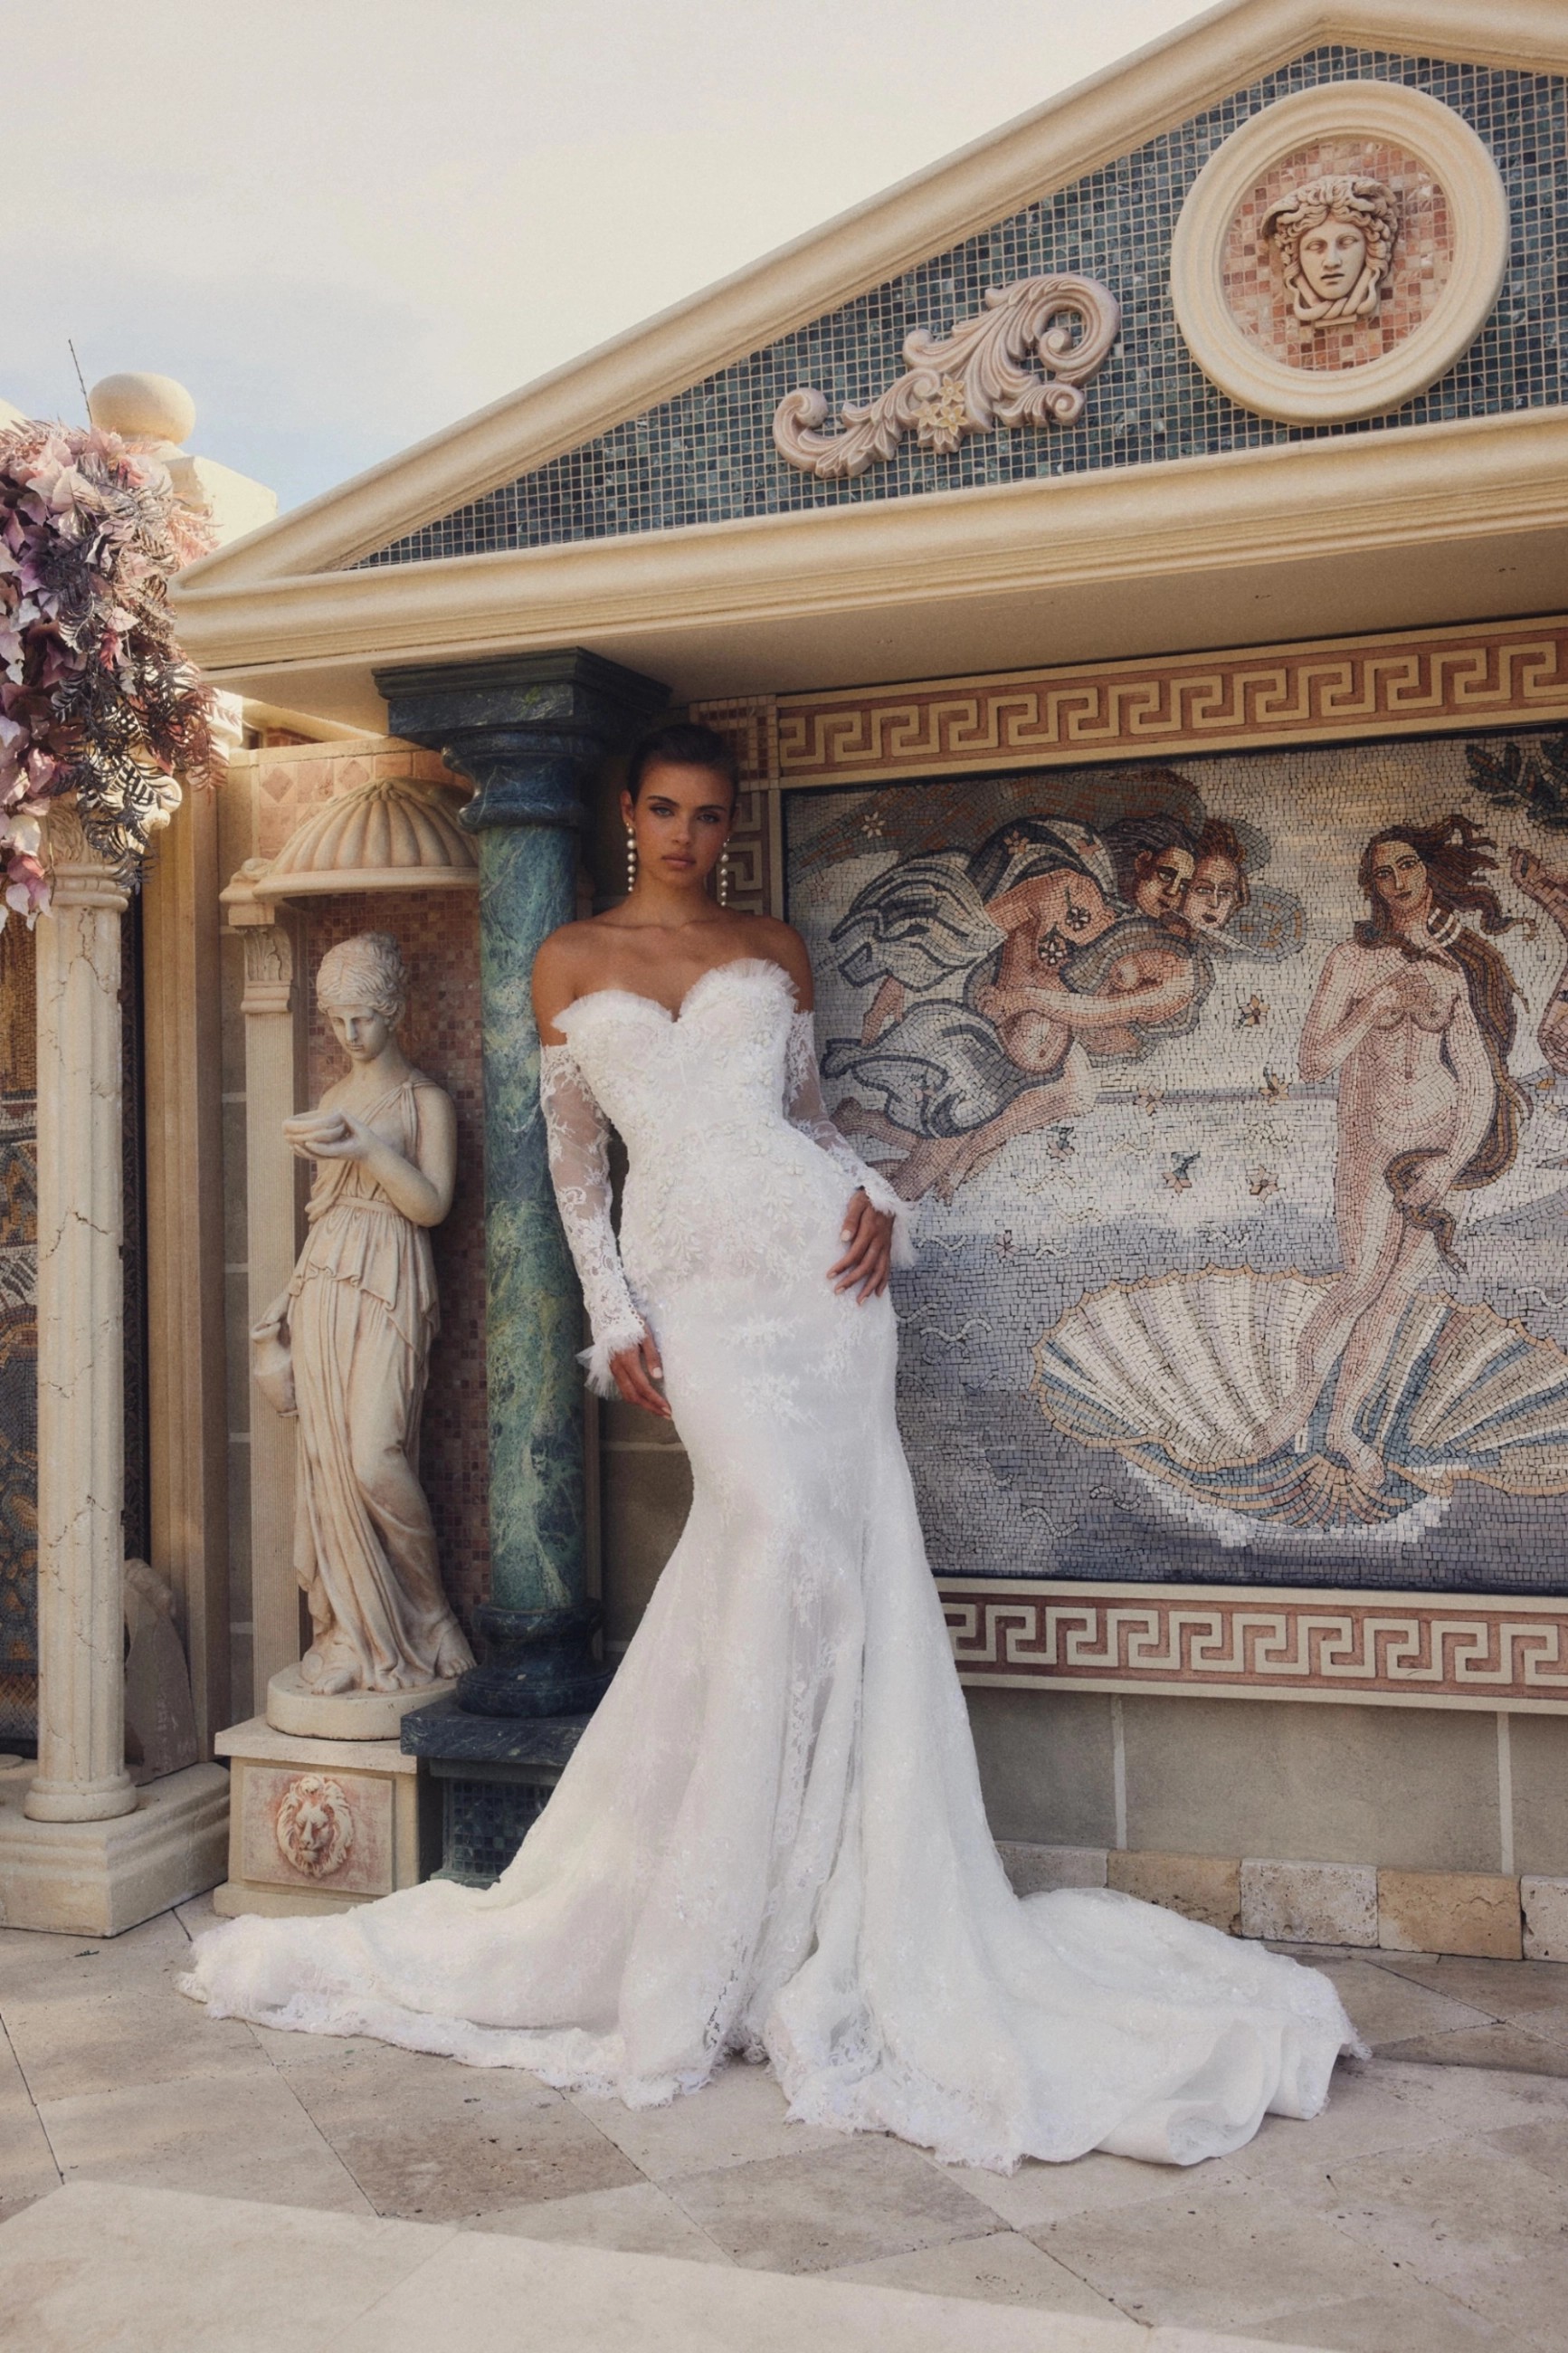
771,1841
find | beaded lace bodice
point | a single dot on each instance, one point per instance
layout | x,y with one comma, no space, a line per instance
733,1164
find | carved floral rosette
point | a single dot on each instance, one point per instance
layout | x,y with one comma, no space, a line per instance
969,382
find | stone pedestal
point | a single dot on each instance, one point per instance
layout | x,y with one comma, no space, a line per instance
99,1878
529,731
321,1825
293,1707
494,1775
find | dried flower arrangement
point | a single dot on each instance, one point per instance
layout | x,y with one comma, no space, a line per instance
96,697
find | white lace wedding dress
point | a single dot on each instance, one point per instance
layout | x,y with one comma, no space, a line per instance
771,1839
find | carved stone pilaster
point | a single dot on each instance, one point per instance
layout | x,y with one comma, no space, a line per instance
81,1774
274,1056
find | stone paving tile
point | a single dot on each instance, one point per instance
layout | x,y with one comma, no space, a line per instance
1386,2007
1038,2194
865,2198
1543,2146
1525,2298
436,2143
1532,1994
1217,2259
1456,2103
1419,2320
1500,2046
235,2137
31,1961
27,2167
93,2031
639,2220
109,2268
736,2119
1005,2268
1437,2209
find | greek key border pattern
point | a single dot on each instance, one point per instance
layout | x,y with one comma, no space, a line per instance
750,724
1413,683
1397,1649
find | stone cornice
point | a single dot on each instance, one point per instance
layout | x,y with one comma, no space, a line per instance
646,597
1084,128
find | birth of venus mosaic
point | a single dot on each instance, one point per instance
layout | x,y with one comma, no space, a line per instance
1235,1094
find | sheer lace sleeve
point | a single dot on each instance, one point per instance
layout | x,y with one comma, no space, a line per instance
804,1109
578,1139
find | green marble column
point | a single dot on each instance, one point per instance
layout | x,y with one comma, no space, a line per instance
531,731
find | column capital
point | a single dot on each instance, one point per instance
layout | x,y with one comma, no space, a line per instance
268,970
78,877
528,728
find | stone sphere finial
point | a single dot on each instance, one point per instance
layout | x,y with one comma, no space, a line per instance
143,407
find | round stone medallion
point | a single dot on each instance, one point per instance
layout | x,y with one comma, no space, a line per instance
1339,252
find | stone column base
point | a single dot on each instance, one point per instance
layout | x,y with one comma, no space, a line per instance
98,1879
322,1825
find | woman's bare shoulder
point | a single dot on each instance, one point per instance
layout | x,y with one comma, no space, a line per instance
782,943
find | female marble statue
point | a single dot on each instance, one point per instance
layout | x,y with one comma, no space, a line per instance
361,1313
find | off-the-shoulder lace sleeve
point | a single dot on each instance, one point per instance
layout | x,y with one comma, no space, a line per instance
578,1139
804,1109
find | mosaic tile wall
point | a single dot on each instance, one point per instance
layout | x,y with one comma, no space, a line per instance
438,931
707,456
18,1338
1242,1179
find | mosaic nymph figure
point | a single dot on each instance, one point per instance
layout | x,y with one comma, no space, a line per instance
1336,238
1009,977
359,1317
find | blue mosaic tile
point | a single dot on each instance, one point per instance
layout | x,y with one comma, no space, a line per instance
707,456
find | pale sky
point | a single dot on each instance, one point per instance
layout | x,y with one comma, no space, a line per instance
344,224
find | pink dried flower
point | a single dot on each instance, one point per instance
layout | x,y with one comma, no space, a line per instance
96,697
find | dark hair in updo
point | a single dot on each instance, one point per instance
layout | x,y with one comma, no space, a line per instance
683,744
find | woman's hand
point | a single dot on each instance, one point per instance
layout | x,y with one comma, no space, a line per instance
634,1371
1430,1183
344,1138
866,1260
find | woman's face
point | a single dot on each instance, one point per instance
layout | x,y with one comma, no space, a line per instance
1214,895
362,1031
681,820
1399,878
1161,887
1331,257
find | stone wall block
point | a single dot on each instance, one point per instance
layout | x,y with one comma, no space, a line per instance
1309,1903
1466,1912
1039,1870
1544,1903
1200,1886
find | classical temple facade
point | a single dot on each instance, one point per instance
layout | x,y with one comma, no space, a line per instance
1165,494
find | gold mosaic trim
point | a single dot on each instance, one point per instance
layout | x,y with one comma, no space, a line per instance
1388,1649
1336,691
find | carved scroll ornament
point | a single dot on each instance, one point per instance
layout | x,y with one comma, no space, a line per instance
978,378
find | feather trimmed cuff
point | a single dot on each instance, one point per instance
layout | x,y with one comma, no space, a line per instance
881,1196
596,1360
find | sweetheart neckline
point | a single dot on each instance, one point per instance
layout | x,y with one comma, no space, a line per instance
758,966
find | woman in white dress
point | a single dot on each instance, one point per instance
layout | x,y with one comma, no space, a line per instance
771,1841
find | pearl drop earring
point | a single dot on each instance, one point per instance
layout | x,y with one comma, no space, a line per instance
631,861
724,876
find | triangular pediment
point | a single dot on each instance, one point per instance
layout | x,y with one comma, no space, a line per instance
561,459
